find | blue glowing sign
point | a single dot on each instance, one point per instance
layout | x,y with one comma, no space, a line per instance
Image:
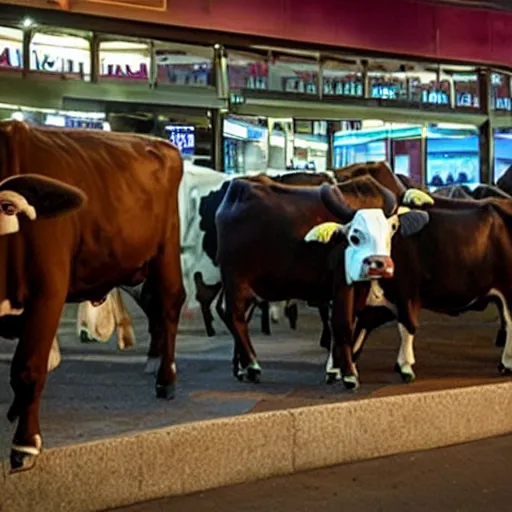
183,137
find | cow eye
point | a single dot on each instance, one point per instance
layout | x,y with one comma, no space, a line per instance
355,240
8,208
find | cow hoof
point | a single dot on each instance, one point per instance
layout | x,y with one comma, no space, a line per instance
253,375
332,376
351,382
165,391
406,373
21,461
152,365
84,337
504,370
501,338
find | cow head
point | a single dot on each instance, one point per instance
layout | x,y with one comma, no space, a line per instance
366,235
35,197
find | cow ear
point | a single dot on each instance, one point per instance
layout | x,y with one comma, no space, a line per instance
37,197
416,197
323,232
412,221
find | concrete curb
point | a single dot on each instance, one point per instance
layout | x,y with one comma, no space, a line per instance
206,454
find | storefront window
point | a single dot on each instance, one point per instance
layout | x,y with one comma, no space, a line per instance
124,60
11,49
374,140
466,90
247,71
293,74
502,151
500,92
245,144
452,155
425,88
310,145
184,64
338,81
388,86
61,55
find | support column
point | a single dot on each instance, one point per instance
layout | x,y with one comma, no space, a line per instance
423,156
217,120
486,147
486,139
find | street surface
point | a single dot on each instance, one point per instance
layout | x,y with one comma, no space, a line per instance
100,392
473,477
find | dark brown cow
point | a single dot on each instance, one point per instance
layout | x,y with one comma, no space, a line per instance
459,262
266,248
128,231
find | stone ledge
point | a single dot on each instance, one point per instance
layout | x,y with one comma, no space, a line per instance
206,454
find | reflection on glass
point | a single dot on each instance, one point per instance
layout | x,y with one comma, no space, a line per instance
388,86
292,74
124,60
11,48
466,90
338,81
452,155
61,54
247,71
424,88
500,92
310,146
184,65
502,151
245,144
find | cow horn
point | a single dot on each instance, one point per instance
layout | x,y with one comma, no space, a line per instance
334,201
389,205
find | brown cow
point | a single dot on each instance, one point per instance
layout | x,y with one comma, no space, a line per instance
256,220
127,232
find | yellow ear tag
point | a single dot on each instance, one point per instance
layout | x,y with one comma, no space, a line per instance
402,209
417,197
322,233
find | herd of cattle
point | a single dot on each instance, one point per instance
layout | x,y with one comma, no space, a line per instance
88,213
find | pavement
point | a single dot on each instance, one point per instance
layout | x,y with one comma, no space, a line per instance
471,477
100,392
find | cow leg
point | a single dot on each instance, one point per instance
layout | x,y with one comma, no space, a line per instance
505,366
291,311
407,327
265,317
125,334
501,336
250,311
405,360
325,338
369,319
205,295
238,299
171,296
29,369
55,357
274,311
342,323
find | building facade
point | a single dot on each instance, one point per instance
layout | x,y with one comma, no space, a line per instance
244,87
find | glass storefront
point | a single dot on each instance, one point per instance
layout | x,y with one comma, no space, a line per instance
292,145
502,151
453,155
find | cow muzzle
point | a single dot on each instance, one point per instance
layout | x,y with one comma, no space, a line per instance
377,267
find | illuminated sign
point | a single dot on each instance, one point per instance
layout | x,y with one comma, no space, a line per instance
11,56
183,137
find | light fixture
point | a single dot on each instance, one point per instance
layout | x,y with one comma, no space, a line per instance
17,116
27,22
